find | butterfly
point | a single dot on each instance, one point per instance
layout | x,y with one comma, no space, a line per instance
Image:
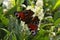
27,17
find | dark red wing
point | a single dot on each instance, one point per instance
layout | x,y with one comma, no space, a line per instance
22,16
32,26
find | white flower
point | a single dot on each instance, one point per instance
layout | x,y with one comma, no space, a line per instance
39,3
53,33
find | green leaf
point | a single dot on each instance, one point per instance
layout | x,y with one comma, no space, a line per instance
4,20
57,22
58,33
56,5
1,10
14,37
5,30
19,3
56,15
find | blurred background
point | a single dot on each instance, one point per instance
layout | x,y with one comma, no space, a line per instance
48,12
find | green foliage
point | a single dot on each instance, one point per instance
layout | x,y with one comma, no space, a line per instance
18,4
4,20
57,4
1,10
57,15
57,22
12,10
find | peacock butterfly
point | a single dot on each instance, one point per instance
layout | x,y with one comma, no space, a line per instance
27,17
